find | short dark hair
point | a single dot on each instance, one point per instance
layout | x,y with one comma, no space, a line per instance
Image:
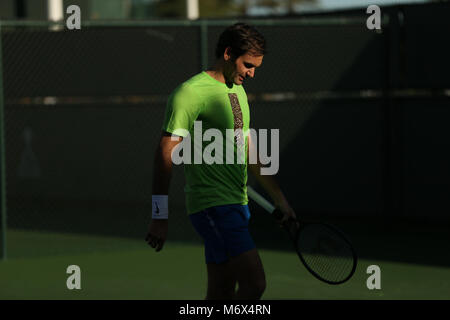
242,38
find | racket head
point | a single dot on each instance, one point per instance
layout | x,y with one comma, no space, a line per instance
325,251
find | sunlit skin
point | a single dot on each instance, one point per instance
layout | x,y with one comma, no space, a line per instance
235,71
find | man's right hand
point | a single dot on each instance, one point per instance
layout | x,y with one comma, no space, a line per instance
157,233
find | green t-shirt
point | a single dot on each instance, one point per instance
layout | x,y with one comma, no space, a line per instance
203,98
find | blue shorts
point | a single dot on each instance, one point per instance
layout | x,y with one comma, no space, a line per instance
224,230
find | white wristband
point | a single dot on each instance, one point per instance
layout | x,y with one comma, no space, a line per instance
160,207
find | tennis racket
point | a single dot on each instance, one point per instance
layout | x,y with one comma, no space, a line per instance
324,250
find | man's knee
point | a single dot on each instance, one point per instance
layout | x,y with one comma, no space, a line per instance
262,286
259,287
251,277
224,290
221,283
253,289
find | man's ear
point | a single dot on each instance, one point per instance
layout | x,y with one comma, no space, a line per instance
227,55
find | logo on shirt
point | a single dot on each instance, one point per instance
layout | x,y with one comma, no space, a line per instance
238,123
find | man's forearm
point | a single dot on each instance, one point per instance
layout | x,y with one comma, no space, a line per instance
268,183
162,172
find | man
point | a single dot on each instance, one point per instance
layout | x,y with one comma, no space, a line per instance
216,194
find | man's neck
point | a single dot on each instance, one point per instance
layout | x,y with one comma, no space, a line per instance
216,74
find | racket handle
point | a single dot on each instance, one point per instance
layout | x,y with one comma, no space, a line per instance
264,203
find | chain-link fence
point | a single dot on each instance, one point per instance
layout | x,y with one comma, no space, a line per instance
83,112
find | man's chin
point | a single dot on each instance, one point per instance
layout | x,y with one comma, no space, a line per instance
237,81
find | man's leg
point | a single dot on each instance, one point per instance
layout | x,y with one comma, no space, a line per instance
221,282
250,275
246,269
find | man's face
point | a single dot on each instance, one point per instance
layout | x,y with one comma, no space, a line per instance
241,68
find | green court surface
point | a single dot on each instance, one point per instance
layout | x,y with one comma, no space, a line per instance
117,268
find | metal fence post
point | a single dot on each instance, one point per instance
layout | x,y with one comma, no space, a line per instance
2,159
204,44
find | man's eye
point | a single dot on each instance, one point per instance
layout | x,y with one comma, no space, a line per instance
248,65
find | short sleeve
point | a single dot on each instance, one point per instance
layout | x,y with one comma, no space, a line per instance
183,108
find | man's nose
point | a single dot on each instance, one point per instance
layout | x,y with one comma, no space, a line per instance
251,73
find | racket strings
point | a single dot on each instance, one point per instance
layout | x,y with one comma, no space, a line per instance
325,252
328,268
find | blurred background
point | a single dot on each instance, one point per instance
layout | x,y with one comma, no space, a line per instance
157,9
364,140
